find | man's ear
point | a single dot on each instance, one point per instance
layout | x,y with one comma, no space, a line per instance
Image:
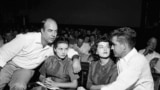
124,46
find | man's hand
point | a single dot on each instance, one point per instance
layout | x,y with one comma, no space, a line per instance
76,65
153,62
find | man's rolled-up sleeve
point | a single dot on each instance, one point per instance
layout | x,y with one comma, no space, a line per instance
71,53
11,49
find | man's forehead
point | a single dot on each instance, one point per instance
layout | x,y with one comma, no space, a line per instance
50,24
114,40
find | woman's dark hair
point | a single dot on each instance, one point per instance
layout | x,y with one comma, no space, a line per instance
93,49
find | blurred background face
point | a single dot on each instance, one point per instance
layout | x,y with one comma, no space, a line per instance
151,44
103,49
92,38
61,50
79,42
49,32
116,47
86,39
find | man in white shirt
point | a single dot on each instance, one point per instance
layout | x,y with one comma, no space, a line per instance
133,68
19,57
151,55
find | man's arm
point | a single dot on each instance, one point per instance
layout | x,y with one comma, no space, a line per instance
157,65
72,84
76,60
51,84
76,63
129,76
10,49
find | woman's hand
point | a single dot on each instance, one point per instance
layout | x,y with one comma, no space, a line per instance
49,83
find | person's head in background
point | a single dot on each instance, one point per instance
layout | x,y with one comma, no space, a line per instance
9,36
101,48
151,44
48,31
80,41
61,45
92,39
123,41
88,32
66,35
72,43
86,39
76,34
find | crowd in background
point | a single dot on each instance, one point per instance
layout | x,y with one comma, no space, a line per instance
80,39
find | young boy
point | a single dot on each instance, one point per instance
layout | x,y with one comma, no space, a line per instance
57,70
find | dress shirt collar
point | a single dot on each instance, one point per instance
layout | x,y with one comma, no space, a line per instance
39,41
129,55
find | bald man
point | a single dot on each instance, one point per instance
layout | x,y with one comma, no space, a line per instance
19,57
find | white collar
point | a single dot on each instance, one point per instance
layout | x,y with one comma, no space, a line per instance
129,55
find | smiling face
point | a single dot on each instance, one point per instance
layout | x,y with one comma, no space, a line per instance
49,31
103,49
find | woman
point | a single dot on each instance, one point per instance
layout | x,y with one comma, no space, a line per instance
102,69
57,70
